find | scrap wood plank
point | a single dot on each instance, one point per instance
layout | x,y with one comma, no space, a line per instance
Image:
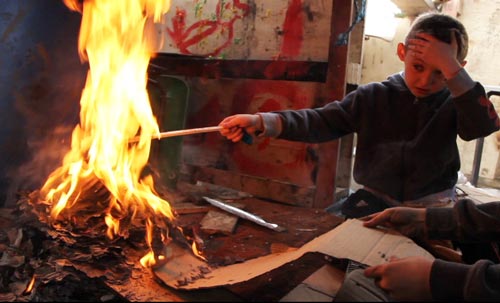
265,188
190,208
218,222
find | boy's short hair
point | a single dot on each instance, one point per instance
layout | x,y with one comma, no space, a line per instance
441,26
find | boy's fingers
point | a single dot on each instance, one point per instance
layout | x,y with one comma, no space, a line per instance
381,218
454,35
425,37
368,217
373,272
233,133
372,222
393,259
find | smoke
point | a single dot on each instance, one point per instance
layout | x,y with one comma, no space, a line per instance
41,79
47,154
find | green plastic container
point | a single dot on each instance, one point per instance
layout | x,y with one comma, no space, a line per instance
169,100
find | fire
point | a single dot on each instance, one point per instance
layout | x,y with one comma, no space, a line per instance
196,251
148,260
30,285
115,39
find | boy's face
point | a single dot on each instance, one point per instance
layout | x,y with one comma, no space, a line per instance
421,78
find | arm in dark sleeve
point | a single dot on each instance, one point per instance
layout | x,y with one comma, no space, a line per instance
322,124
458,282
465,222
476,114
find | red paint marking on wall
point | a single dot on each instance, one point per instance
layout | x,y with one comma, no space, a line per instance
178,25
264,144
279,68
199,31
261,159
262,164
275,69
270,105
255,95
293,30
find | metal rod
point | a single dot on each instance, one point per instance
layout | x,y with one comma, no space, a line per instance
182,132
476,163
244,214
478,152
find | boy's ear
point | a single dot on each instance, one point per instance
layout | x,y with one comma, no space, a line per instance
463,63
401,51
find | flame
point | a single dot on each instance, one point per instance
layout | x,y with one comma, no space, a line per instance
30,285
115,39
148,260
196,251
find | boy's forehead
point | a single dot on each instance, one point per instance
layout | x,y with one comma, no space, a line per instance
412,60
443,34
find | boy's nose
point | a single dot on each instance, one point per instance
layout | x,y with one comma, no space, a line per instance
427,79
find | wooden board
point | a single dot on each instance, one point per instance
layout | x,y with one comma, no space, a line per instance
266,188
216,222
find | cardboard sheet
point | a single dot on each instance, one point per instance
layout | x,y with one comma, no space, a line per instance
480,195
350,240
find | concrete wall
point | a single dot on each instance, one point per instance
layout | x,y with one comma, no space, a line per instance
480,17
481,20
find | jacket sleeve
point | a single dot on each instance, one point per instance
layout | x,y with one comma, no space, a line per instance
476,115
460,282
316,125
466,221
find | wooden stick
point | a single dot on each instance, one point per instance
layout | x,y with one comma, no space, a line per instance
182,132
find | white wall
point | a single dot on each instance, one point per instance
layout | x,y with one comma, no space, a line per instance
481,18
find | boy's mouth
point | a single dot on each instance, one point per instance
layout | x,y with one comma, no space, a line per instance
417,91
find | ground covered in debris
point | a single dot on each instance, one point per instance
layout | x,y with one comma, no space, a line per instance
74,261
35,267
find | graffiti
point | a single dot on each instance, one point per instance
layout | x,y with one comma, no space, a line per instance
237,29
293,30
216,32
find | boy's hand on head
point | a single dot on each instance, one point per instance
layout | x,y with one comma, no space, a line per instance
441,55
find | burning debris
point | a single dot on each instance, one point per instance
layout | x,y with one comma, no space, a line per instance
42,264
71,259
47,260
101,188
75,255
100,208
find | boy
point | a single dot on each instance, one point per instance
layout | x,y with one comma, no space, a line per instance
406,126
